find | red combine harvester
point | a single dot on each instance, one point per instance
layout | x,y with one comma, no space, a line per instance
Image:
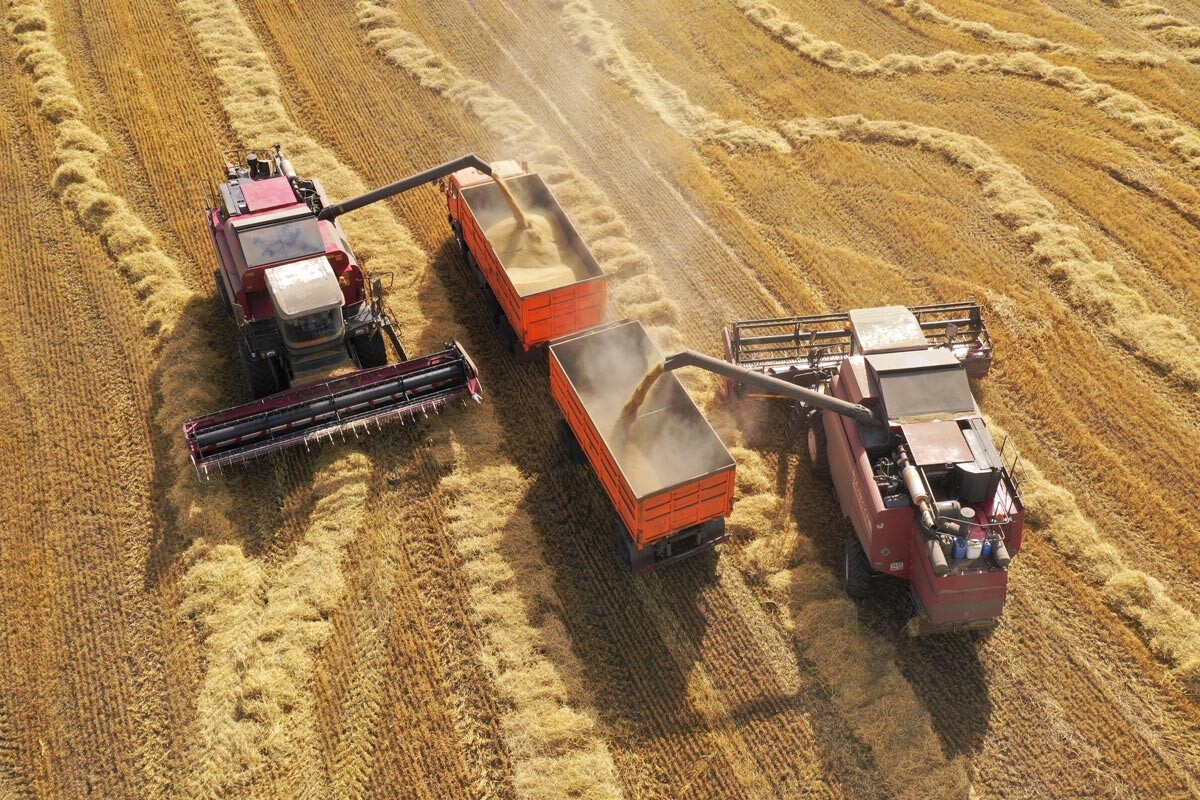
303,309
892,423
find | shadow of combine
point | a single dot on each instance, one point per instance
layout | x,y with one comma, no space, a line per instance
945,671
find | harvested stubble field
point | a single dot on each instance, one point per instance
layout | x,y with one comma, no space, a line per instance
437,612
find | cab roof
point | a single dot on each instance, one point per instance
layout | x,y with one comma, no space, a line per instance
303,287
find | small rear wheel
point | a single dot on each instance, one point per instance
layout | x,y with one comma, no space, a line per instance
262,378
856,570
818,449
370,349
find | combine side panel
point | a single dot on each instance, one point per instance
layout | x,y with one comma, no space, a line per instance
350,404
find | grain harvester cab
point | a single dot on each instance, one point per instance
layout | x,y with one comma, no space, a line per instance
893,424
311,325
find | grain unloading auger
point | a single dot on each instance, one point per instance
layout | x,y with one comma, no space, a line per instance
304,311
893,425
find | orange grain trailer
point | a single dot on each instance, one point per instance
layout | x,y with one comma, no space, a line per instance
667,474
528,318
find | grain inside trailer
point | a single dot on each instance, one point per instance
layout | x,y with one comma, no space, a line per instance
541,281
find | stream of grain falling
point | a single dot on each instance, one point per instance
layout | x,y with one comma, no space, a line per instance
629,412
518,214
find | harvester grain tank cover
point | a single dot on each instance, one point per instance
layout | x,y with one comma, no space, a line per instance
886,329
920,384
304,287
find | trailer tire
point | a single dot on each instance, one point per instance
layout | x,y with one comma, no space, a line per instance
507,334
370,349
262,379
856,570
570,443
818,447
491,304
459,240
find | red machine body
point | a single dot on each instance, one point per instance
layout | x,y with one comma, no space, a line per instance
893,424
310,326
270,202
971,593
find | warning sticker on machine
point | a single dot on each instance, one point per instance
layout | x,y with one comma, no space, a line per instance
897,566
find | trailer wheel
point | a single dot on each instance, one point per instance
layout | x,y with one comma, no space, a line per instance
261,376
491,303
370,349
507,334
818,447
570,443
856,570
459,240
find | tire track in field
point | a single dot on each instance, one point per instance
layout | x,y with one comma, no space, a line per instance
1091,286
1176,33
1123,107
184,360
757,508
596,38
1013,40
82,486
554,747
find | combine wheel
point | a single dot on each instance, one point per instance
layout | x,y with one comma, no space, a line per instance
224,295
818,450
370,349
261,377
856,570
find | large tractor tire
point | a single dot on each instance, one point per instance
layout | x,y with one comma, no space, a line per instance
370,349
261,376
222,293
856,570
818,447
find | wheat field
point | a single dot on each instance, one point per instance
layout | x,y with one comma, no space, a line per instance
436,611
